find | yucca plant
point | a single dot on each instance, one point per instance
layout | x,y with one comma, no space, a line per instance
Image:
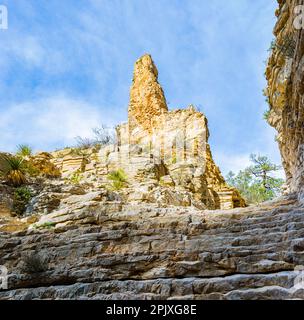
118,178
12,168
24,150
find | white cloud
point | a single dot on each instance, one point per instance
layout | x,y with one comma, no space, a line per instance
232,162
48,122
21,47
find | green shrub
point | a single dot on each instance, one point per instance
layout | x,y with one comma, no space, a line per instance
75,178
24,150
273,45
22,197
46,225
266,115
23,193
30,169
286,48
118,179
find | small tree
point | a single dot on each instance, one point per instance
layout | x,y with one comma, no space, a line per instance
255,183
261,169
104,136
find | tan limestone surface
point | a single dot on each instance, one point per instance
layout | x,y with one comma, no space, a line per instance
147,98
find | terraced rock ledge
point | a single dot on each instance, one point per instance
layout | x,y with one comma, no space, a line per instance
146,252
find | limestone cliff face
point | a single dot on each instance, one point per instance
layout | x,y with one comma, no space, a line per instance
285,75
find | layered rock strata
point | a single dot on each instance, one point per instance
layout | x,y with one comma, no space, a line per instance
285,75
104,249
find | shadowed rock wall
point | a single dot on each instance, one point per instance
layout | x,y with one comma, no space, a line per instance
285,91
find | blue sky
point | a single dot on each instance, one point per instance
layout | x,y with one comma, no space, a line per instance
66,66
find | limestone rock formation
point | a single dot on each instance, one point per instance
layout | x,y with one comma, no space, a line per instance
147,98
155,146
285,75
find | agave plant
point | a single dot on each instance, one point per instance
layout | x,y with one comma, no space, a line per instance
12,169
24,150
118,178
